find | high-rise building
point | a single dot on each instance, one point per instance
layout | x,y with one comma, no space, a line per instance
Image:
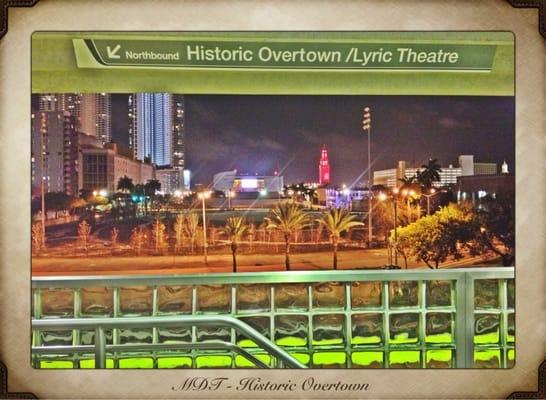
92,111
448,175
324,167
54,152
153,136
157,131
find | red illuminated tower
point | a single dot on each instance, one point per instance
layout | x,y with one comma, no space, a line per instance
324,167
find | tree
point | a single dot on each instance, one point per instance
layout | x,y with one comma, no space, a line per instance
114,234
287,218
430,173
191,227
138,237
57,201
151,187
125,184
495,226
336,221
434,238
178,232
37,236
235,228
159,240
84,233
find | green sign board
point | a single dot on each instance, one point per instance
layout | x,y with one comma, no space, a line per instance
275,54
312,63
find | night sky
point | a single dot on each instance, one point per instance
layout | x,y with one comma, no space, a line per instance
255,134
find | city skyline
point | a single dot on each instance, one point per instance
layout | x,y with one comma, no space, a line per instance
262,134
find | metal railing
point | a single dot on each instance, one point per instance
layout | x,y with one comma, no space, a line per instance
320,318
100,348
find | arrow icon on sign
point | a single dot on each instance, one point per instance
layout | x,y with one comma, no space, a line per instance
113,53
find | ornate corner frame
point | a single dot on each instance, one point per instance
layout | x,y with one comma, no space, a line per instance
4,394
540,5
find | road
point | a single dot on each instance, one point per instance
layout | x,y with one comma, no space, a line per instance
353,259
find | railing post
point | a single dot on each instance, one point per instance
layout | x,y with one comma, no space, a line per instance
100,348
465,321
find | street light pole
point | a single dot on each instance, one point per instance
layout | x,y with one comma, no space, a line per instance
42,167
367,126
428,196
203,196
395,198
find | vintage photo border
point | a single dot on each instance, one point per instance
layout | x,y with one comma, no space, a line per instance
540,5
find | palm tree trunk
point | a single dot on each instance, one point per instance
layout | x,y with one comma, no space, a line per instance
287,253
335,255
234,256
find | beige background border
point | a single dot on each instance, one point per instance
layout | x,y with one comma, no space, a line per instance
270,15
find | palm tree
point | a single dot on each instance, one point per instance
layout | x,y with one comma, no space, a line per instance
125,184
336,221
235,229
287,218
152,186
430,173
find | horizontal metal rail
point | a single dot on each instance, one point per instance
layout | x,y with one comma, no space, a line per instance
272,277
212,345
100,324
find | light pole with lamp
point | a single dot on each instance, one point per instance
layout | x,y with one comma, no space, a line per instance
203,196
367,126
230,195
43,131
432,192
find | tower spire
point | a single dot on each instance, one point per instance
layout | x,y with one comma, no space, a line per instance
324,167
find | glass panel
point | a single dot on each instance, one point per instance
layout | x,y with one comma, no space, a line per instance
511,287
365,294
486,293
254,298
243,362
328,295
329,359
214,361
136,363
136,300
57,303
261,324
174,362
405,359
303,358
214,333
135,336
439,358
174,299
214,298
328,330
438,293
367,359
291,330
487,358
291,297
486,328
511,328
97,302
511,358
88,337
367,329
174,335
56,338
56,364
403,294
404,328
439,328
